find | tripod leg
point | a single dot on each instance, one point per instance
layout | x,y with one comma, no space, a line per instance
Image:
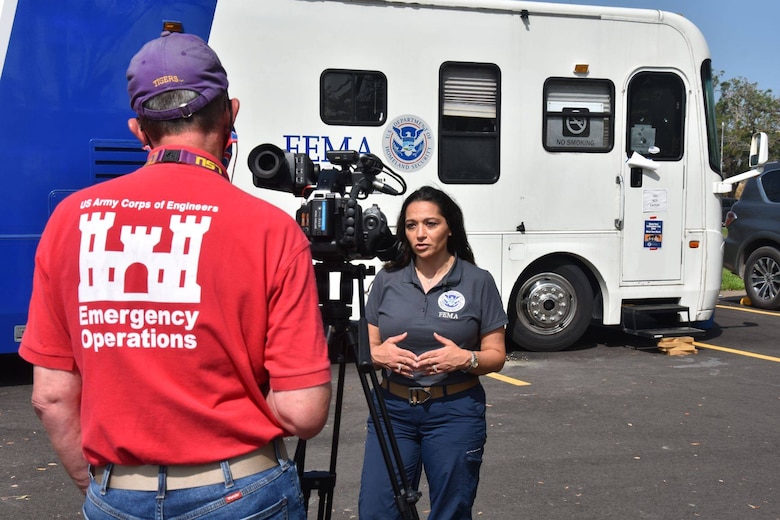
405,497
325,481
299,458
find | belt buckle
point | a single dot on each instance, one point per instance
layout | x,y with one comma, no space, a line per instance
414,395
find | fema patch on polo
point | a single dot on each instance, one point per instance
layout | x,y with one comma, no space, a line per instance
451,301
408,143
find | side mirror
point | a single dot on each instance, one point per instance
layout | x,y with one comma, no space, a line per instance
759,155
759,150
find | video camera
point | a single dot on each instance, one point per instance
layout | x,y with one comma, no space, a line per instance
337,227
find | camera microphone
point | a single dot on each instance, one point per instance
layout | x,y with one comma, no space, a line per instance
384,188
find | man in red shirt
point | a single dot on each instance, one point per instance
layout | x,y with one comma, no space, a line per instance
174,323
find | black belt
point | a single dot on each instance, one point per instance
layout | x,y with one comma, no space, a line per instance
421,394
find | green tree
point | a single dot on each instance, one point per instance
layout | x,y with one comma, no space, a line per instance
741,110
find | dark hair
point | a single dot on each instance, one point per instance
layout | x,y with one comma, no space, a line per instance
204,119
457,243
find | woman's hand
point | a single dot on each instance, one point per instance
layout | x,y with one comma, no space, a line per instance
389,355
448,358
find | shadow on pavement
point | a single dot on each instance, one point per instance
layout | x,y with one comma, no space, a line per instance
14,370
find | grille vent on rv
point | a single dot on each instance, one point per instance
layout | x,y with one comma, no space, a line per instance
109,158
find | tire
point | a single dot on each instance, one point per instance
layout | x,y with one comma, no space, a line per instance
762,278
551,308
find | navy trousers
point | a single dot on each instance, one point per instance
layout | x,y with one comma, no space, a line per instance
445,437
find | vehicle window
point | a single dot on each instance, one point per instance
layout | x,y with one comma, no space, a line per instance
353,97
656,115
469,116
578,115
770,182
709,110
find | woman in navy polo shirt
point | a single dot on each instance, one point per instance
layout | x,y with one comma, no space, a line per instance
435,322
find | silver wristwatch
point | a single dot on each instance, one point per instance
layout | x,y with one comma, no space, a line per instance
474,362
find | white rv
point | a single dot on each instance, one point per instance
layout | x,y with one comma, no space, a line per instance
579,141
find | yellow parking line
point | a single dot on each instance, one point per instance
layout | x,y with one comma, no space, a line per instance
738,352
507,379
746,309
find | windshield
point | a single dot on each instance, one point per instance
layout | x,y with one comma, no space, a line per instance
709,110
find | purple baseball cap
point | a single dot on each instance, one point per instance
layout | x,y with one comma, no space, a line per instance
174,61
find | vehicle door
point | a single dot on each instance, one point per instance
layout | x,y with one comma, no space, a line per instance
653,206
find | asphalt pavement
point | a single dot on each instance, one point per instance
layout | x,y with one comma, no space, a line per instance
610,429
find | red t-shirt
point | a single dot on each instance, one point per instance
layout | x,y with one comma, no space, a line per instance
180,299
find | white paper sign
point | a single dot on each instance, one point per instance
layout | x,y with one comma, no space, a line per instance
654,201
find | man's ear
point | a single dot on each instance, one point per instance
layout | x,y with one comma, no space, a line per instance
135,127
234,105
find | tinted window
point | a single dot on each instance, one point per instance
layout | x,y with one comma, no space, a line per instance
353,97
770,181
709,110
469,108
656,114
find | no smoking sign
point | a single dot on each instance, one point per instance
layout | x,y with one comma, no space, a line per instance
574,125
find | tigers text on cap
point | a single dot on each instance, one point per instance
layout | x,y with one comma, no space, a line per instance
174,61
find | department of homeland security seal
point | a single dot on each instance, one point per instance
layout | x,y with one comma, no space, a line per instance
408,143
451,301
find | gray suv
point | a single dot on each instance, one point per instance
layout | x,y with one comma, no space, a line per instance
752,246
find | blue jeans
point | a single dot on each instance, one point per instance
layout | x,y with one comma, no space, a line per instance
446,437
274,494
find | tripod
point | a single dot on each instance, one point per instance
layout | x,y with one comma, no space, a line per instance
348,339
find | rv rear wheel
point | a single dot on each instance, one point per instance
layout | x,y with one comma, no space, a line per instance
551,308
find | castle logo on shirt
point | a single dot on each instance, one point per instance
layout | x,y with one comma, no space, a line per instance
145,264
169,276
450,303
